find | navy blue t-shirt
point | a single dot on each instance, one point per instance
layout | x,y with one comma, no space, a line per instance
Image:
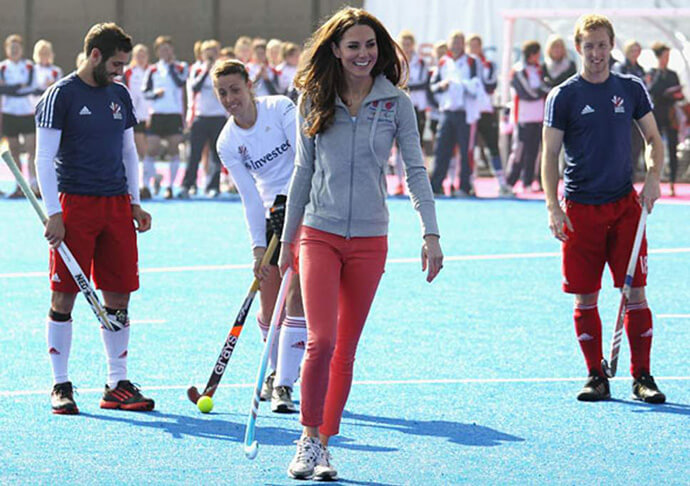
93,121
596,120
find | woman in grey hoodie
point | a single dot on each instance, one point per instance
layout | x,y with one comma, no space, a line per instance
350,113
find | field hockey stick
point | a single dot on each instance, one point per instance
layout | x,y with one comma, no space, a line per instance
231,341
251,446
610,367
70,262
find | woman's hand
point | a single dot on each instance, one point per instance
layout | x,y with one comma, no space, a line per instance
432,257
285,258
260,271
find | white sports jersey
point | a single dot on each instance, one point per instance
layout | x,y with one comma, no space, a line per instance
260,88
133,78
285,74
203,98
45,77
419,73
264,155
18,73
171,77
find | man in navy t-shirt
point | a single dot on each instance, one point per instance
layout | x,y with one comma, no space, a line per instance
591,115
86,153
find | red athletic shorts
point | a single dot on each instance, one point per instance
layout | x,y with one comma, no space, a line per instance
99,231
603,234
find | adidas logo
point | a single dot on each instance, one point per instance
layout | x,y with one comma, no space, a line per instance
587,110
56,278
299,345
85,111
53,351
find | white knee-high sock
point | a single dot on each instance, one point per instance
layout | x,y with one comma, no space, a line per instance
116,343
59,337
149,171
174,167
293,340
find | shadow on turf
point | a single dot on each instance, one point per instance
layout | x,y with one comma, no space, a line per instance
668,407
179,426
456,432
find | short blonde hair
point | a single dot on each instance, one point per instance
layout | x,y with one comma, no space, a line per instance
14,38
406,34
629,45
160,40
39,46
210,44
590,22
476,37
551,41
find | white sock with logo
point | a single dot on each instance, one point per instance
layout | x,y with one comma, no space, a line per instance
59,337
174,166
115,343
293,341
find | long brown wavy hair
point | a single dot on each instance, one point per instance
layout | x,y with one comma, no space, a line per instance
320,75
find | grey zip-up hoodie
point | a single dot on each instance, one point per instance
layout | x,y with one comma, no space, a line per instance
339,181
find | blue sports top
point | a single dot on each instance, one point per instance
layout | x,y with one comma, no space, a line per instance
597,121
92,121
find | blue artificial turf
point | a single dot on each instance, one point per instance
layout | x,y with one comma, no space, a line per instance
495,334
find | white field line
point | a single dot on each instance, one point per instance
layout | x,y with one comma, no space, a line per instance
456,258
448,381
148,321
673,316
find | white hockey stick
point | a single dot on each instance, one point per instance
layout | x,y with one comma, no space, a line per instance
251,446
611,366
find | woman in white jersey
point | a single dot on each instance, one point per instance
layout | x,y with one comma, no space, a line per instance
47,73
134,78
257,147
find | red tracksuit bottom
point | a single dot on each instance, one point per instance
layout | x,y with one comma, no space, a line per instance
339,278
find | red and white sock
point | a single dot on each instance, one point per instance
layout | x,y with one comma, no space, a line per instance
59,337
116,343
588,331
638,327
293,341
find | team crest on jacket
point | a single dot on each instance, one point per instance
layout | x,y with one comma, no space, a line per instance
618,104
387,111
117,110
244,153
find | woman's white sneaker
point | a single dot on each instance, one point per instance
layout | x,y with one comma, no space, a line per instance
324,470
305,460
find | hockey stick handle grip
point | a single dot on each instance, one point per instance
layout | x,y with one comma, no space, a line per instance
19,177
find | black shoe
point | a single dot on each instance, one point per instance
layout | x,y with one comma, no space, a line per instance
126,396
596,388
645,389
168,193
144,193
62,399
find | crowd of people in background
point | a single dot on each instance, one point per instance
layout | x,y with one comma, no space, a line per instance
452,87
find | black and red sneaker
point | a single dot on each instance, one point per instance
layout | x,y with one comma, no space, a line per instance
126,396
62,399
